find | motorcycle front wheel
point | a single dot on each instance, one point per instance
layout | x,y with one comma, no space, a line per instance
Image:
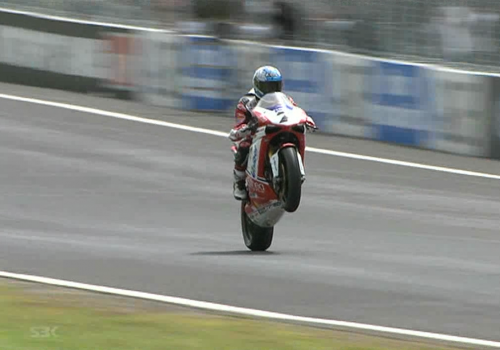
291,185
256,238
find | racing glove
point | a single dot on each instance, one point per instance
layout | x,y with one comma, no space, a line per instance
311,124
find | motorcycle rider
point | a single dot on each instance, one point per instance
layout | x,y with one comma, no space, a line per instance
266,79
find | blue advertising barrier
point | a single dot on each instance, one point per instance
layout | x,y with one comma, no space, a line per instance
307,79
207,67
400,104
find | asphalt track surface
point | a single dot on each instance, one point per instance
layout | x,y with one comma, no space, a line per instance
129,205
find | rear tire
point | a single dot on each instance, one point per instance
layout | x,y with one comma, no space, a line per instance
291,185
256,238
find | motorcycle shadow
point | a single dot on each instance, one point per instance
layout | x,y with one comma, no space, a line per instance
234,253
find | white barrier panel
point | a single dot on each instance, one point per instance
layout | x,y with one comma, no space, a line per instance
158,79
463,113
63,54
49,52
349,97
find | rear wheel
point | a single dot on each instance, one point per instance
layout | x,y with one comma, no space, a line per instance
256,238
291,179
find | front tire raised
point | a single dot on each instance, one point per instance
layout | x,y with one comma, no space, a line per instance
291,185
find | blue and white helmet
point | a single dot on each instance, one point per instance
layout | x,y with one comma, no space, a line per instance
267,79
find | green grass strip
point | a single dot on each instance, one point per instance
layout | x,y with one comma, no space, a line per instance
35,317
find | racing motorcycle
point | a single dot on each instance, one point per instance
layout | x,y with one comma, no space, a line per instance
275,168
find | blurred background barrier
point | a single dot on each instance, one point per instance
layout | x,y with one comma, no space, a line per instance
398,102
495,120
456,33
71,56
208,73
156,76
463,113
350,96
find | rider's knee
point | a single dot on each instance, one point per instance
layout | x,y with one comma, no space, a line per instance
241,156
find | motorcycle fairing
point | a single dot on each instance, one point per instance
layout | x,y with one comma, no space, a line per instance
274,110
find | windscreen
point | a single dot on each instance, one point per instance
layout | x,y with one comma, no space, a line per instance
275,101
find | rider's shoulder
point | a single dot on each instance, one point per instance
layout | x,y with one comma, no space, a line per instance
248,97
251,95
251,92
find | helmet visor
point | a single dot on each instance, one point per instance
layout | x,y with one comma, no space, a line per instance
271,86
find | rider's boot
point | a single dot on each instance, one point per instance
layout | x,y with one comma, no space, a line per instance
239,190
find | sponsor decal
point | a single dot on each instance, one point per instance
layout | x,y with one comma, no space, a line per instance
256,186
266,208
252,168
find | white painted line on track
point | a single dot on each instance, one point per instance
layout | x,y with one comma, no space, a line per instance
225,134
246,311
114,115
405,164
80,21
